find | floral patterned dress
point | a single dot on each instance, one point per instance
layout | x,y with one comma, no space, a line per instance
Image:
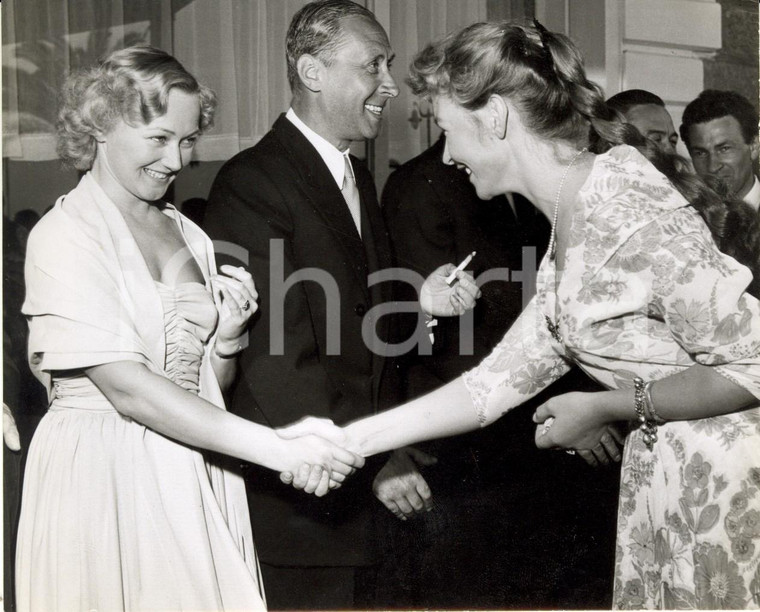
645,292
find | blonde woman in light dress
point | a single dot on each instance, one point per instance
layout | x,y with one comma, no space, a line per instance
135,334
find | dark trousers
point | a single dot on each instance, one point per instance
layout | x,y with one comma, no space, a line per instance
318,588
512,526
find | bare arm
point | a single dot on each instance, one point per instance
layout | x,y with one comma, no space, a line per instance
581,418
447,411
225,368
524,354
159,404
696,393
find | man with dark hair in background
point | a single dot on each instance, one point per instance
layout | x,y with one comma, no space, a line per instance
719,129
647,113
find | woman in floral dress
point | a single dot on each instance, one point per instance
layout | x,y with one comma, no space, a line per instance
634,291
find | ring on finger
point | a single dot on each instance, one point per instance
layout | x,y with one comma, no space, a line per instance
247,305
547,425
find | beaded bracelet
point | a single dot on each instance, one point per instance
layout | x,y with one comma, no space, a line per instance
647,426
649,404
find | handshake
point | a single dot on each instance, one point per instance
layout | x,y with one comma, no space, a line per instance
318,455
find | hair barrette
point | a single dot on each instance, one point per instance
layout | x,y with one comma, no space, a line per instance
544,35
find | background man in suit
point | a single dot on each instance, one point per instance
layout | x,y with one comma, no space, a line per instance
509,522
719,129
292,203
647,113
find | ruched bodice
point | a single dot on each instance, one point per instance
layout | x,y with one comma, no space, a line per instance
189,319
118,511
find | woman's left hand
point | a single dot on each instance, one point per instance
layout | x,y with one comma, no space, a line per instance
236,294
440,299
576,421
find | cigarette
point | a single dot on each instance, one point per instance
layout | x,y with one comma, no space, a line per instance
453,276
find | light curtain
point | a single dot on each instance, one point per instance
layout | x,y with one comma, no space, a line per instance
236,47
412,26
44,39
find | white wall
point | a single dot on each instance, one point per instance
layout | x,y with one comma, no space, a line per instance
657,45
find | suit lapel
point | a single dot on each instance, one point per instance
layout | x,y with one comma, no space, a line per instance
377,248
363,255
323,193
374,233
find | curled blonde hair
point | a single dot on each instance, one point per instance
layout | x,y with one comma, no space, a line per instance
132,84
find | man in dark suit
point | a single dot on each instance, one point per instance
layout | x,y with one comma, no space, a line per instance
509,523
313,234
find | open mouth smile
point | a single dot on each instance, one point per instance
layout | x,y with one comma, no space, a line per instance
159,176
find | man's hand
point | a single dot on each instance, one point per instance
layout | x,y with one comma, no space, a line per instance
439,299
400,486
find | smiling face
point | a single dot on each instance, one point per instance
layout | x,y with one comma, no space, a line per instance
655,124
469,147
356,84
137,163
717,148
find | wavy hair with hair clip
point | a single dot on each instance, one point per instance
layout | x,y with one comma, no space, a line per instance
543,76
544,34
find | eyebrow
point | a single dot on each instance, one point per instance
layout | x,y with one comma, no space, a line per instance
381,56
722,143
173,133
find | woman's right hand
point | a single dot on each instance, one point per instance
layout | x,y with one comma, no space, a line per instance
315,458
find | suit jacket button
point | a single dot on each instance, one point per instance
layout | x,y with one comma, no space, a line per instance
360,309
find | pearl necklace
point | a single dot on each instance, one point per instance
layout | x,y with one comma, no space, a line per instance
552,246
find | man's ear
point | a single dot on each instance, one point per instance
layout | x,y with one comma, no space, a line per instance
497,116
754,149
310,72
